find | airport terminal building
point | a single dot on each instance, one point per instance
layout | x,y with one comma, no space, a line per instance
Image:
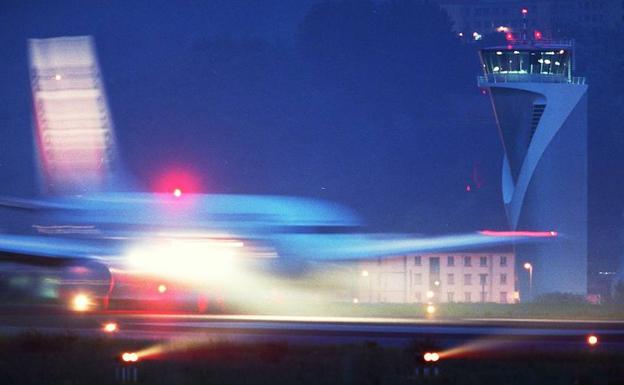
439,278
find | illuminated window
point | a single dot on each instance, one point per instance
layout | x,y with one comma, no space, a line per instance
450,261
467,261
503,261
503,279
467,279
417,260
450,279
483,261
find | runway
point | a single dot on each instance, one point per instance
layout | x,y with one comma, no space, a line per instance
538,335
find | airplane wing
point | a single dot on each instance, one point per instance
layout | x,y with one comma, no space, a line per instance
345,248
49,250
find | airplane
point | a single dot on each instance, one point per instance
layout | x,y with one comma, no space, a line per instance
94,230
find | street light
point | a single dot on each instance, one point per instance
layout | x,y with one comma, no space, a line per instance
365,274
529,267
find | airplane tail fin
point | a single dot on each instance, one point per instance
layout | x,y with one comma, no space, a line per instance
74,135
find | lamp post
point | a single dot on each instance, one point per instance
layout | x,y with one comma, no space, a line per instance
529,267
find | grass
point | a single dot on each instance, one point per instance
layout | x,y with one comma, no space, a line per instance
39,359
458,311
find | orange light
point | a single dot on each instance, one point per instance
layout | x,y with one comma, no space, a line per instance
592,340
110,327
177,193
431,309
162,288
80,302
129,357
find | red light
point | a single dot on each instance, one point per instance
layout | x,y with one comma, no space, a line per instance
530,234
525,11
538,35
176,182
509,36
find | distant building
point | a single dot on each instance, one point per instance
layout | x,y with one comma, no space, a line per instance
546,16
438,278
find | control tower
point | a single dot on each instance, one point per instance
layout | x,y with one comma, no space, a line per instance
541,112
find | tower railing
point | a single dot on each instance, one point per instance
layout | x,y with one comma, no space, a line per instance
527,78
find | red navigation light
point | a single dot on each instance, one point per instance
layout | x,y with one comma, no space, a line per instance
538,35
525,11
509,36
176,182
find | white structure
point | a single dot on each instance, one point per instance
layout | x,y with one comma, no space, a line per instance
541,111
73,129
438,278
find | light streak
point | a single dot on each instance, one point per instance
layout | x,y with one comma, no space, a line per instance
520,233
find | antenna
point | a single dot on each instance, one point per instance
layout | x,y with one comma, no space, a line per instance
525,12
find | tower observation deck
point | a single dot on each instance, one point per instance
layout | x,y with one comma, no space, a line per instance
541,113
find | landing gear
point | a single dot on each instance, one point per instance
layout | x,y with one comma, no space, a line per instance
85,286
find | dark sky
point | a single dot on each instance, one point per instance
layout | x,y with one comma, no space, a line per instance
244,96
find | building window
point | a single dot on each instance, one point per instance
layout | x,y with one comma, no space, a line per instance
467,261
467,297
450,261
417,296
450,279
417,279
483,296
482,279
503,261
503,297
417,260
483,261
503,279
467,279
450,296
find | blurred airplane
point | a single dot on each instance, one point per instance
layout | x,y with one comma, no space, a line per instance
84,226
